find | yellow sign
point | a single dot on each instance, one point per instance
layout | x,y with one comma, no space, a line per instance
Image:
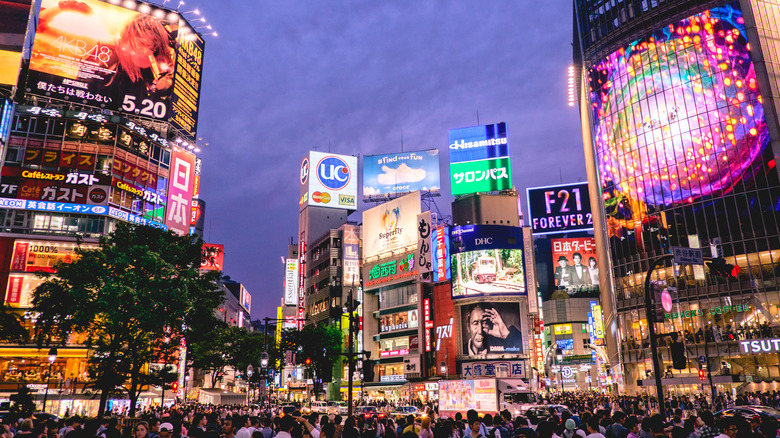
563,329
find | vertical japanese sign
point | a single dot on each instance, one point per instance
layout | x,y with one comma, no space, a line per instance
530,270
179,213
428,323
301,279
576,272
186,84
424,242
351,246
441,254
291,283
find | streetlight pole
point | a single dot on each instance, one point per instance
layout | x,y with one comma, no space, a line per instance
52,358
249,371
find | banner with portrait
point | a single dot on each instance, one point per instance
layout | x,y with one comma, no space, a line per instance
576,272
491,329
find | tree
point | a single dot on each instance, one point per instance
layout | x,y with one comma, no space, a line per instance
320,343
140,287
11,328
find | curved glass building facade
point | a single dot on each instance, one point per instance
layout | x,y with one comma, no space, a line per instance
680,101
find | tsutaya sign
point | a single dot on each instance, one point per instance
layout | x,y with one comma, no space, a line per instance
739,308
760,346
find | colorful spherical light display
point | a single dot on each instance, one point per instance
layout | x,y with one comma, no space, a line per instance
678,115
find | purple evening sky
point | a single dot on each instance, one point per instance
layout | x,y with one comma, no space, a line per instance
360,77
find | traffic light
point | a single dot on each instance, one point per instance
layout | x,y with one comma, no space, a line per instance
701,374
719,267
679,361
308,361
368,370
175,386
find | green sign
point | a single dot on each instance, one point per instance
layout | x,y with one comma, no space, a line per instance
577,360
480,176
739,308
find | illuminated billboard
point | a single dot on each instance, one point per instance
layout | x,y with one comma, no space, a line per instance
246,299
440,261
491,328
487,260
560,209
291,282
216,257
678,117
391,225
328,180
180,191
576,269
186,84
104,55
16,15
401,173
463,395
479,159
351,255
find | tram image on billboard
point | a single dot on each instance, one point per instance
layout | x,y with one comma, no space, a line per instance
488,272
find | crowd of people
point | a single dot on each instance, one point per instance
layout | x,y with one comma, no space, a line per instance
583,415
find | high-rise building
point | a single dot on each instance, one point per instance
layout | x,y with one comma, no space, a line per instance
679,101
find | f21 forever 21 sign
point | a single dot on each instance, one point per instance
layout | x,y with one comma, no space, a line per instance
560,209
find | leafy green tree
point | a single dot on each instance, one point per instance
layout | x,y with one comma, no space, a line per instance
135,295
11,327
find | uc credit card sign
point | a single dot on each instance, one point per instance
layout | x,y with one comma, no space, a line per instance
479,159
329,180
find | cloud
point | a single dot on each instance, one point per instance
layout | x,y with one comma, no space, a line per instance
403,174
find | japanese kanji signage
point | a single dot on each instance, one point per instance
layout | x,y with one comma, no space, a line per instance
424,252
351,249
186,84
576,269
441,254
688,256
180,188
479,159
390,271
514,369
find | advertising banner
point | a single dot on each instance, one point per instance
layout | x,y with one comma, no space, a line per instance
488,272
440,261
42,256
479,159
530,271
104,55
423,254
491,328
390,271
16,15
20,288
246,299
291,282
329,180
560,209
399,321
576,272
391,226
456,395
53,186
351,255
186,84
401,173
180,191
496,368
216,257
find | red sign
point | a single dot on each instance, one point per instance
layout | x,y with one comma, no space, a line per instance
180,189
428,323
19,260
216,257
301,279
393,353
14,295
441,253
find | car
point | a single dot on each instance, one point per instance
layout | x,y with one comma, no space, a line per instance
749,412
337,408
287,410
543,411
319,407
45,416
403,411
369,412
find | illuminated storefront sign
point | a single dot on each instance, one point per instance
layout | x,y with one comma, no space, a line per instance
562,329
424,251
390,271
180,191
428,323
399,321
351,255
42,256
291,282
479,159
760,346
502,368
393,353
739,308
441,254
560,209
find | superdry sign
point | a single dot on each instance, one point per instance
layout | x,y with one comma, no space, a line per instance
328,180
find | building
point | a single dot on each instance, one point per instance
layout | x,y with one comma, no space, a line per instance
679,107
80,156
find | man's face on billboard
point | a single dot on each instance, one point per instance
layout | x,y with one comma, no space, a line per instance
476,331
562,262
577,259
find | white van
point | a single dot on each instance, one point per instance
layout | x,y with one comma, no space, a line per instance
319,407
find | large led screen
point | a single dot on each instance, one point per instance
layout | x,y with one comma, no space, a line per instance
13,28
106,56
491,328
401,173
560,209
576,271
479,159
463,395
678,117
487,260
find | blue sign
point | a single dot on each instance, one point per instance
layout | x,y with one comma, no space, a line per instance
63,207
333,172
440,261
400,173
476,237
482,142
560,209
565,344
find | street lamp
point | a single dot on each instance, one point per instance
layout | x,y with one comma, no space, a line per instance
264,359
443,368
559,359
52,358
249,371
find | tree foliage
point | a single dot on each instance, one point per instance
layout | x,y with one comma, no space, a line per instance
11,328
134,297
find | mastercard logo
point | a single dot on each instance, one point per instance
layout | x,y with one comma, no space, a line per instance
322,197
